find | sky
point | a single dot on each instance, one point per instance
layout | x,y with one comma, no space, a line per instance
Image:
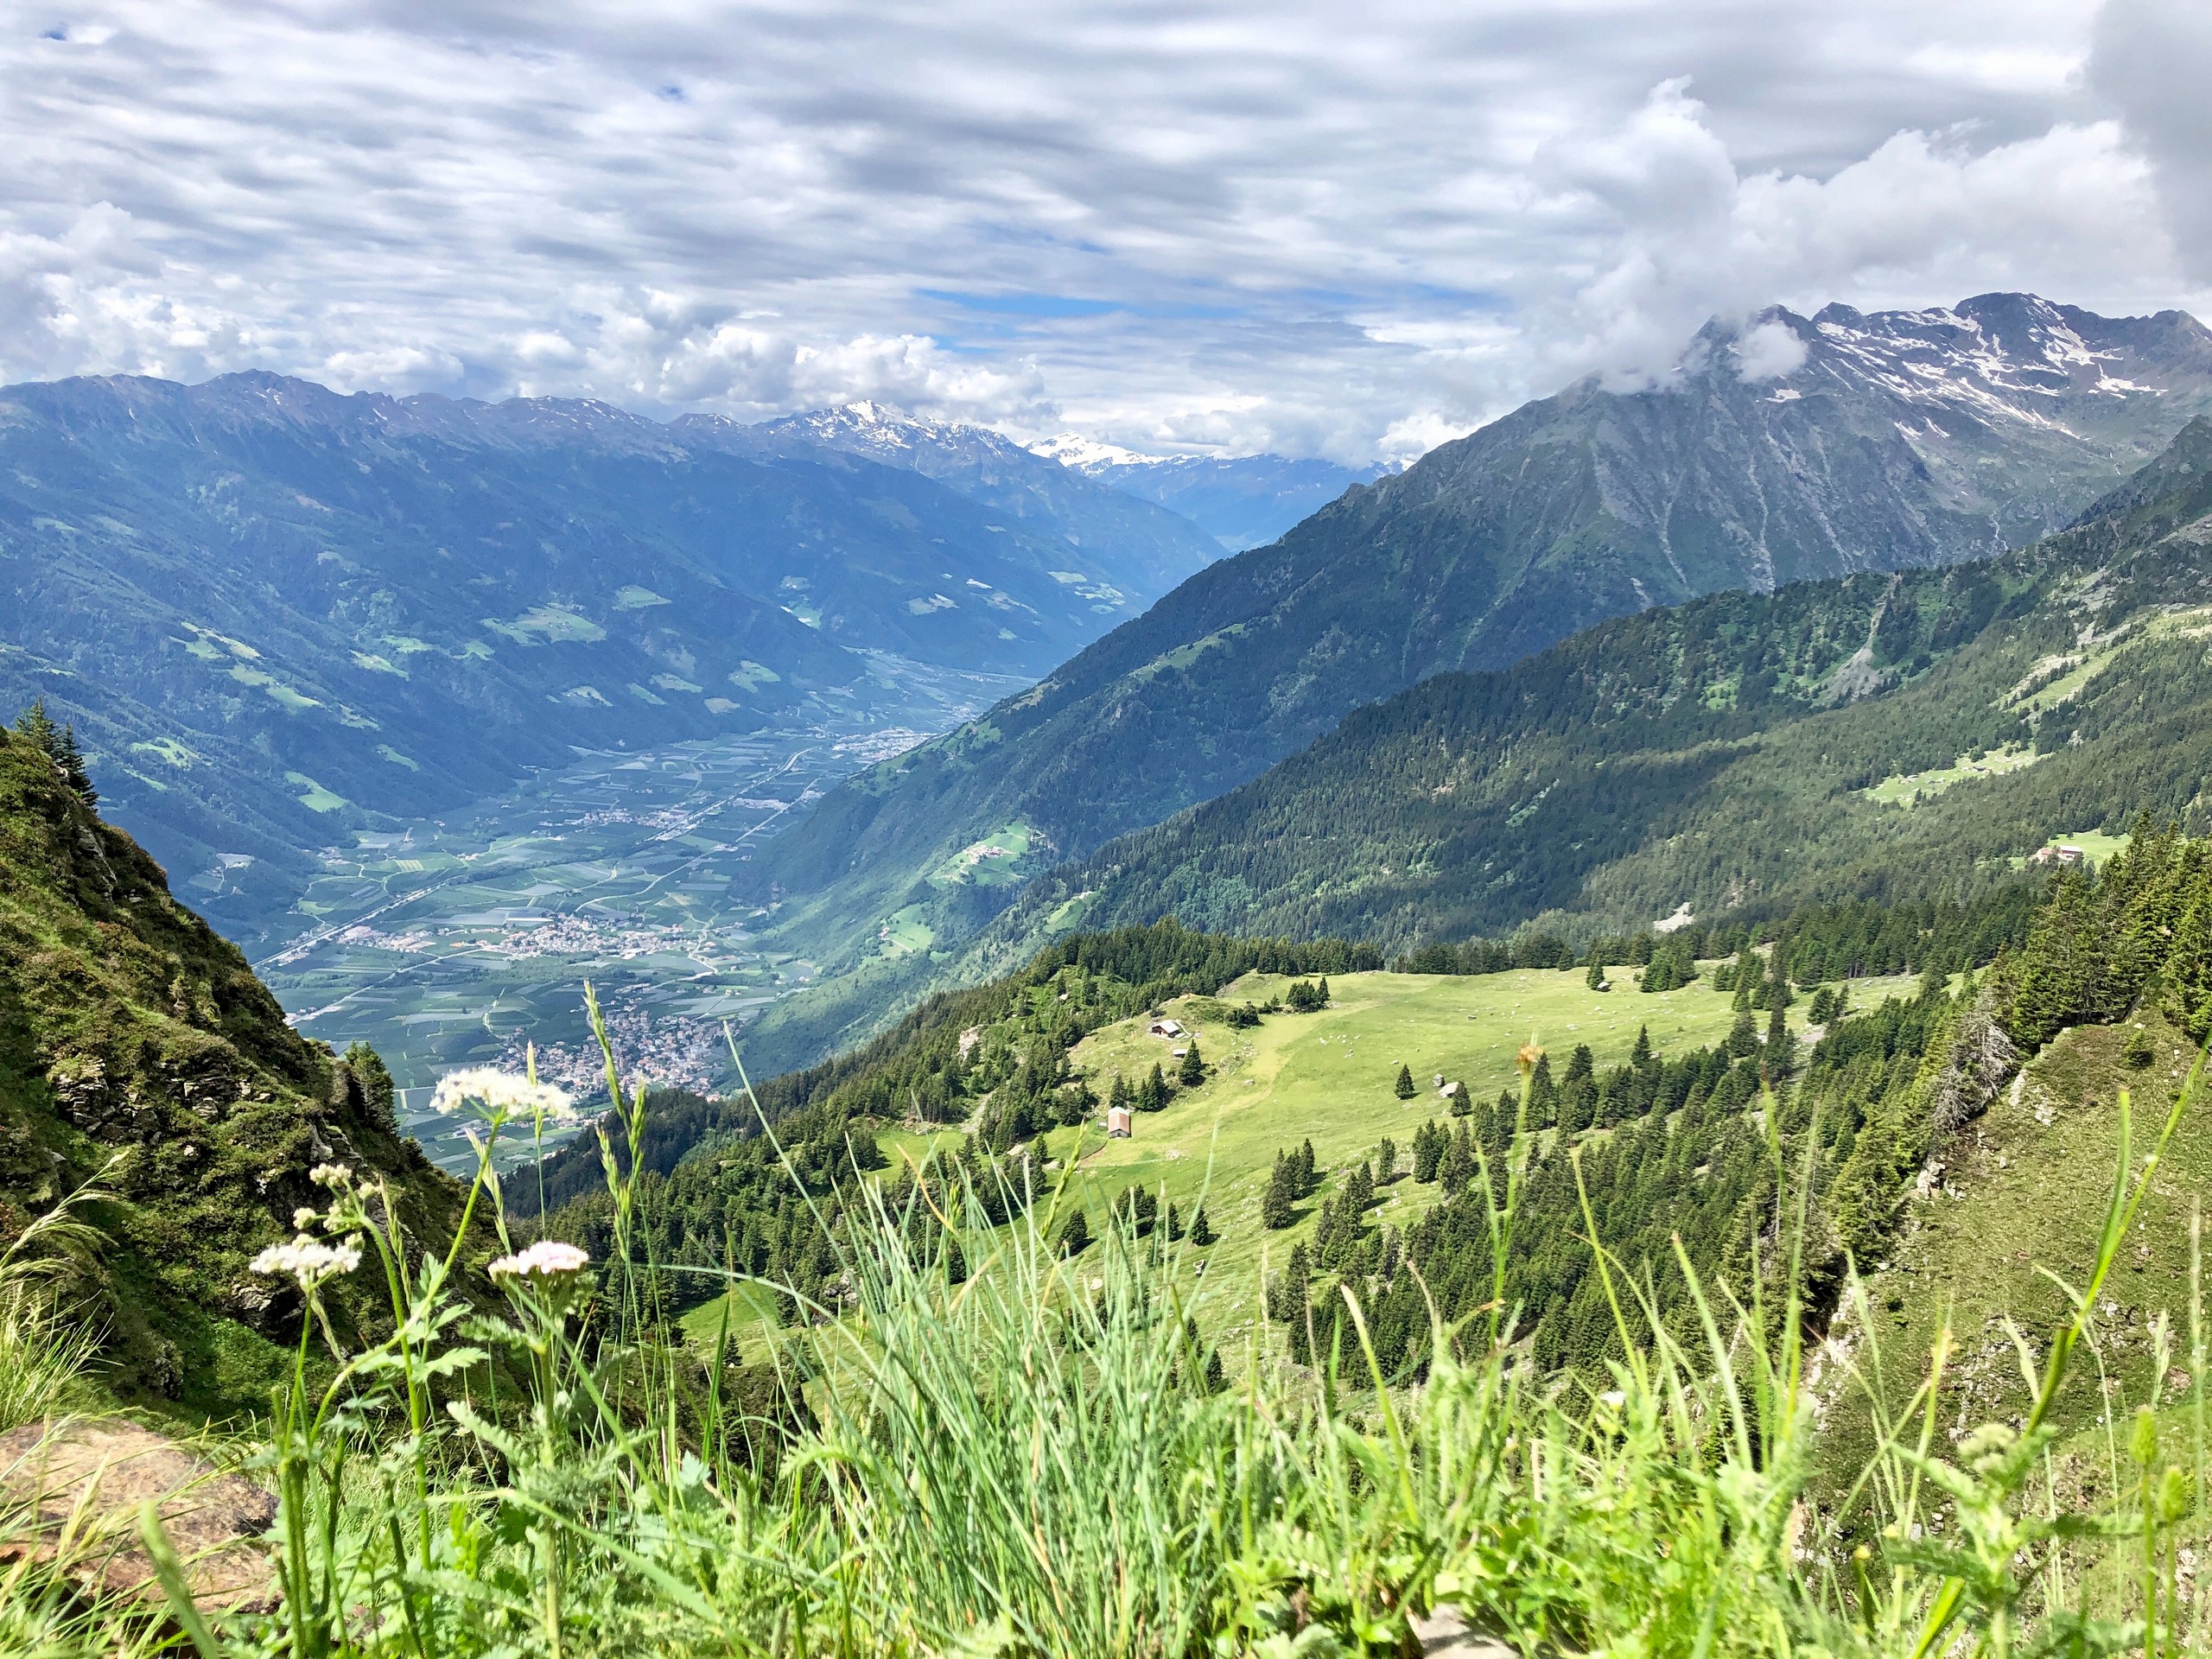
1181,225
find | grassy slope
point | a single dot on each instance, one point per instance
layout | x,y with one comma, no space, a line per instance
1330,1076
2022,1197
138,1052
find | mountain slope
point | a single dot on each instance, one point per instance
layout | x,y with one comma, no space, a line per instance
138,1053
270,609
1143,545
1741,749
1898,440
1242,501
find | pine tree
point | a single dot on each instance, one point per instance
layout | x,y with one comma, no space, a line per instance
1074,1234
1750,972
2188,970
1278,1205
1781,1051
1321,993
1386,1161
1641,1057
1118,1095
1306,1172
1359,1191
1297,1301
1202,1232
1429,1142
1595,979
38,729
1152,1093
1405,1082
1194,1069
71,760
1175,1225
1458,1166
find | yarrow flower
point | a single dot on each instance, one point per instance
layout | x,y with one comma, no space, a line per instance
501,1093
333,1176
310,1260
547,1260
304,1218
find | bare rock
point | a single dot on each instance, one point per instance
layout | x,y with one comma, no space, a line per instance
1446,1634
86,1481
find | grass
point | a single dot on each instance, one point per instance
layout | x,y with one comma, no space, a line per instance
1907,789
1030,1460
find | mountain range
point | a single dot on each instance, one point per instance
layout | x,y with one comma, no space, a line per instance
1240,500
1786,450
275,613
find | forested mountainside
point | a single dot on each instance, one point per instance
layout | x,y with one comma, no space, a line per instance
1146,541
1877,734
140,1056
1898,441
269,608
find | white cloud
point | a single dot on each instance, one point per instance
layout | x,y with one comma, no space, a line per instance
1334,229
1768,351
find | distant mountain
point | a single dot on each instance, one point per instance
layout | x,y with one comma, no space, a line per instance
270,609
1891,736
1794,449
1240,500
1145,548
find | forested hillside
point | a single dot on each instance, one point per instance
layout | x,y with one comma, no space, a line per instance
1917,733
1899,442
141,1059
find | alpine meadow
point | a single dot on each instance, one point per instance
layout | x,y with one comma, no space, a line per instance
957,834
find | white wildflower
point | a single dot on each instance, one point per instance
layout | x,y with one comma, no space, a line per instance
333,1176
547,1260
502,1093
308,1260
304,1218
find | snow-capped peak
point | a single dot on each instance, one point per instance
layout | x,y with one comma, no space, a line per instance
1089,455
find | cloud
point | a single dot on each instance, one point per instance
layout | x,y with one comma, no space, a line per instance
1334,229
2153,59
1767,351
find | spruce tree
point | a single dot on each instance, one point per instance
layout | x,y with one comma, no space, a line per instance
1175,1225
1780,1050
1306,1171
1457,1167
1202,1232
1193,1071
2188,970
1405,1082
1428,1151
1386,1161
1321,993
1640,1056
71,760
1075,1233
1278,1205
1152,1093
376,1090
1297,1303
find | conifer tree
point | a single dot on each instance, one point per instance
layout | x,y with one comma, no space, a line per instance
1321,993
1386,1161
1152,1093
1075,1233
1405,1082
1278,1205
1780,1050
1306,1172
1641,1057
2188,970
1297,1303
1749,974
1201,1231
1429,1141
1457,1167
1595,979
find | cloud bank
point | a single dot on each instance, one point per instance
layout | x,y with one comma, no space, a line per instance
1335,229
